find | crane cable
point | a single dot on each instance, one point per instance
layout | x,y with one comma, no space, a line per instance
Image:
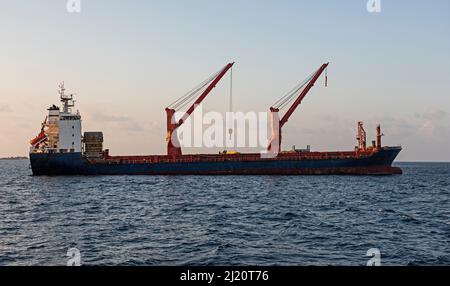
286,99
189,96
230,130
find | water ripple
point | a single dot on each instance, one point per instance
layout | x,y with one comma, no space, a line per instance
262,220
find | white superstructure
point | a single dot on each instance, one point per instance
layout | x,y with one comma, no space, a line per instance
61,130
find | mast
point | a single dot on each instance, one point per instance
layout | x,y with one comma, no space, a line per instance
67,100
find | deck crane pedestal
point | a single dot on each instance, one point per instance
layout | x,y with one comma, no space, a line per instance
173,145
277,124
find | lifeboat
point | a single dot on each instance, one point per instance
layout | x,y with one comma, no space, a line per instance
40,138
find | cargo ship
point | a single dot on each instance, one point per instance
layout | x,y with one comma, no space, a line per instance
62,149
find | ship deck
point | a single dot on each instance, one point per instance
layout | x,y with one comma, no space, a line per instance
284,156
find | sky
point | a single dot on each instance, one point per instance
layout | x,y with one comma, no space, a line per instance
127,60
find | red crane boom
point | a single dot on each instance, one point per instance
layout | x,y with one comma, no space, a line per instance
173,146
277,124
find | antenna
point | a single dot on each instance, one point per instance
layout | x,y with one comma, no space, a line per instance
67,100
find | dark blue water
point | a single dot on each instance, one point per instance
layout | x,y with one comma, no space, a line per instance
257,220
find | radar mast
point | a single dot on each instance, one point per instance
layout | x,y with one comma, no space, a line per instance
67,100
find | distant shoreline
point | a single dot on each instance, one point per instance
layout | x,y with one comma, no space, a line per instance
15,158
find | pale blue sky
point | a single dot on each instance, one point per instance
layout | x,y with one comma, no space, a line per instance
127,60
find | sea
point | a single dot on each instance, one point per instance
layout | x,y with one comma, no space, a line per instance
225,220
